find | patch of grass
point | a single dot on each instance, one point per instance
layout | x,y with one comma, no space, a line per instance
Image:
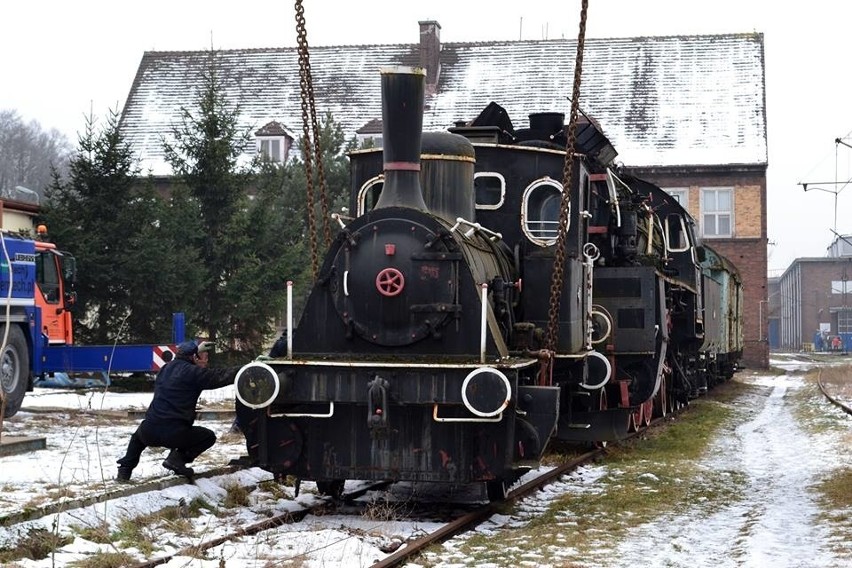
37,544
834,492
644,478
105,560
99,533
381,510
835,501
274,488
812,409
131,532
140,531
236,496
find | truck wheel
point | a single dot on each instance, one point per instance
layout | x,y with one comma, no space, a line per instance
14,369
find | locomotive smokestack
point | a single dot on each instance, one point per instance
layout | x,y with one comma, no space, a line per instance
402,126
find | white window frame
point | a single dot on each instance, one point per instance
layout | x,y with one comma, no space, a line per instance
717,213
841,286
682,224
528,192
501,180
269,140
374,138
364,191
681,195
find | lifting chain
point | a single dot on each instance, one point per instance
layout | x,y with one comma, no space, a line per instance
557,279
311,150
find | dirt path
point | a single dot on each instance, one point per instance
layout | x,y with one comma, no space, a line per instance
776,522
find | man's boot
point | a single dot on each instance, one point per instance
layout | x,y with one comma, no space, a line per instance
177,465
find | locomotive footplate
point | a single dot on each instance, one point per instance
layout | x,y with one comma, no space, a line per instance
393,422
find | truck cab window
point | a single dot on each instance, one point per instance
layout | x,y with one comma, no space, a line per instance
47,277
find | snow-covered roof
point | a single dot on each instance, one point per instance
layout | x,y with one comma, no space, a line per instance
663,101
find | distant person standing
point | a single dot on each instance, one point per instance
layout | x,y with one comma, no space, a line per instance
169,421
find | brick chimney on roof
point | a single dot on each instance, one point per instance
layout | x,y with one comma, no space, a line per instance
430,53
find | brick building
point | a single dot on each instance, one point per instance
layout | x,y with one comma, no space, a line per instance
815,295
686,112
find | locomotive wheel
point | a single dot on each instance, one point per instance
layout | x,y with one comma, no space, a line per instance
661,401
333,488
647,411
14,370
497,490
637,418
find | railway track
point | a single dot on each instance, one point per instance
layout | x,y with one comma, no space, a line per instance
831,398
458,525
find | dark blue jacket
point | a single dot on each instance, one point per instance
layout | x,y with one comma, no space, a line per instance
177,388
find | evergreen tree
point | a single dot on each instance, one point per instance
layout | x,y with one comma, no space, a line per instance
203,151
108,221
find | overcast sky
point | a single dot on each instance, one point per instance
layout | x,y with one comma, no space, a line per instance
62,59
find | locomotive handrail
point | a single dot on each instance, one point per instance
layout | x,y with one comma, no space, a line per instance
611,178
520,364
306,414
289,319
437,418
339,218
493,235
483,323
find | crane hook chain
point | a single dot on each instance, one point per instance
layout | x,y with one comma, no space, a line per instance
551,339
311,148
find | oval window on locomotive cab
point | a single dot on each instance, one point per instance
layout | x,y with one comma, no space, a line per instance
540,211
369,193
490,189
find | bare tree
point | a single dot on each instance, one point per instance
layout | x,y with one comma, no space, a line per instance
28,154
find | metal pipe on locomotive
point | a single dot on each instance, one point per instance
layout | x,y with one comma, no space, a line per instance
418,356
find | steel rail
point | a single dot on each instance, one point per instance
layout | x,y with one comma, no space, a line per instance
266,524
833,400
474,518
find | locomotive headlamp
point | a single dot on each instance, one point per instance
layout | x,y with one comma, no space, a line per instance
257,385
486,392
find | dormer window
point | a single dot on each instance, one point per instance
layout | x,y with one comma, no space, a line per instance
273,142
370,135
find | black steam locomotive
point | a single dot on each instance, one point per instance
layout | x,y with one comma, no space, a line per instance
420,354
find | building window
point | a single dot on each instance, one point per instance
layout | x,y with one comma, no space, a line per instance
680,194
270,148
540,211
490,188
367,141
716,212
841,286
844,321
273,142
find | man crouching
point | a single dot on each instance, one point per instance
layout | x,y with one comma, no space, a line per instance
169,420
